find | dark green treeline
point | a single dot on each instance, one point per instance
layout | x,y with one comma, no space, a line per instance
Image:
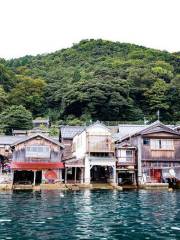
94,79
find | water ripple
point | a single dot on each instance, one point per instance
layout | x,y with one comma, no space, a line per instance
90,215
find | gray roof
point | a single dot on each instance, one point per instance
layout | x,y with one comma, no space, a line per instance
176,127
113,129
20,131
127,130
8,140
13,140
26,138
68,132
41,121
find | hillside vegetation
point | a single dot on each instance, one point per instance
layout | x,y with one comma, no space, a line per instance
94,79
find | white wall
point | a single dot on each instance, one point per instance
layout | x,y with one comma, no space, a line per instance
79,142
121,155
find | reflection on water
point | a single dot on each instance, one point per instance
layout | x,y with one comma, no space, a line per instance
90,215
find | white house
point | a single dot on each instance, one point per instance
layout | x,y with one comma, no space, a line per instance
93,151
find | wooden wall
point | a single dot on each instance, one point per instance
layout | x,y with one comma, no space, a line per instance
100,143
162,155
158,155
20,156
68,148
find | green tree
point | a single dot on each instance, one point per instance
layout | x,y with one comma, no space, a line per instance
104,100
16,117
101,79
7,78
156,96
174,98
29,93
3,98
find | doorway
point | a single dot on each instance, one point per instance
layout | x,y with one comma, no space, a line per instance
125,178
100,174
38,180
156,175
23,177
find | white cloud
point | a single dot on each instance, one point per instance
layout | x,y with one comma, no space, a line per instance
40,26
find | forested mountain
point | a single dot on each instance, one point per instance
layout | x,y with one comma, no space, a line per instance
94,79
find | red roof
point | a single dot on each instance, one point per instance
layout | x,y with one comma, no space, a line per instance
36,165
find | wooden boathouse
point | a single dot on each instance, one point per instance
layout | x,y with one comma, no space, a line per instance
92,156
157,152
37,159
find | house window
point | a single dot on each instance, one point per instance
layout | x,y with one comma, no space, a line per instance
162,144
129,155
146,141
125,155
166,164
38,151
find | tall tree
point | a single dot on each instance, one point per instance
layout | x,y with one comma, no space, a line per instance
86,80
15,117
156,96
7,78
3,98
29,93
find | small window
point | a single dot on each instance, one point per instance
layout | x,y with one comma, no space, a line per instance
128,153
164,144
38,151
146,141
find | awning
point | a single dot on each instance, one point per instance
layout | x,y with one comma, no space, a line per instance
36,165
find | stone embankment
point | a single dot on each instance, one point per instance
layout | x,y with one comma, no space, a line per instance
59,186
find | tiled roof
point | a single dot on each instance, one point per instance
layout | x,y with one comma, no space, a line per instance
37,135
41,121
176,128
20,131
68,132
8,140
13,140
126,130
113,129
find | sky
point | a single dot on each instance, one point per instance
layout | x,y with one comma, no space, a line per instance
42,26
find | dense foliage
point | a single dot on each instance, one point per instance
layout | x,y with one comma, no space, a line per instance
15,117
94,79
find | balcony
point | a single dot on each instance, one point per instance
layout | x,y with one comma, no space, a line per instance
123,161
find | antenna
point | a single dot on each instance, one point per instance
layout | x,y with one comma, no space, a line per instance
145,121
158,115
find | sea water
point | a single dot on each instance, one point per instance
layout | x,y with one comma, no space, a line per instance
90,214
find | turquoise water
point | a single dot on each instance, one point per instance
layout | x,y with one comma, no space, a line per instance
89,214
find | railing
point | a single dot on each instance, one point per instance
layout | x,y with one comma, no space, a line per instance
125,159
37,160
103,158
161,159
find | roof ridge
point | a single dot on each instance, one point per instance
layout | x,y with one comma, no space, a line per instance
26,138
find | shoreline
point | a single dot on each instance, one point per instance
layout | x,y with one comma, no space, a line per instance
76,187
